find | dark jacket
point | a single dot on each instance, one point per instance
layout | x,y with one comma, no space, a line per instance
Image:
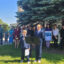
39,35
62,33
23,42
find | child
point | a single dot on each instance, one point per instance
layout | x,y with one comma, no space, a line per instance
24,45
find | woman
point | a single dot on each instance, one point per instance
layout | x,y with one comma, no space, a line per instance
11,31
48,35
55,36
16,37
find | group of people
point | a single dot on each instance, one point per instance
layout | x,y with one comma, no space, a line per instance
44,34
9,36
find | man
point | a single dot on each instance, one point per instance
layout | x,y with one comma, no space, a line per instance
38,33
30,31
1,35
24,45
43,34
62,37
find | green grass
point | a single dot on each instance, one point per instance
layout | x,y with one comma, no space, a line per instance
10,55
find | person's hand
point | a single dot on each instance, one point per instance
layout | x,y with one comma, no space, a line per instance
29,48
23,38
56,37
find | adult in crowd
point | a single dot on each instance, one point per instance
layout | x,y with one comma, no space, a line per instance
43,34
6,37
24,45
48,35
1,35
38,33
30,31
55,35
11,35
62,37
16,36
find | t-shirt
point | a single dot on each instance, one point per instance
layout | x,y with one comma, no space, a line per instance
55,32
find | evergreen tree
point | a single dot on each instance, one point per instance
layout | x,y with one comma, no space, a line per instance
41,10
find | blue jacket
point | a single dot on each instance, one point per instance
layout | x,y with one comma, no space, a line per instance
1,32
40,36
23,42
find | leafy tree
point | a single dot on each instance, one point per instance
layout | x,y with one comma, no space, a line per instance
4,25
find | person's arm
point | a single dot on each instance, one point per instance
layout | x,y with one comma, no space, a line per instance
59,37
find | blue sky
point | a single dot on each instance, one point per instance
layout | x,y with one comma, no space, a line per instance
8,9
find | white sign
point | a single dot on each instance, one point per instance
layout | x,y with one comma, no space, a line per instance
26,52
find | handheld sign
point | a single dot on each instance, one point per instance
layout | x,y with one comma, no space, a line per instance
27,52
48,35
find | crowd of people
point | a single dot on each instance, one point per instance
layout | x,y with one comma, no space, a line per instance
44,34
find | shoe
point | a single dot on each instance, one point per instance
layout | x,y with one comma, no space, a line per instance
39,61
35,61
21,61
28,61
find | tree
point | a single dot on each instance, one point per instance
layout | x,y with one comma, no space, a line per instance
4,25
41,10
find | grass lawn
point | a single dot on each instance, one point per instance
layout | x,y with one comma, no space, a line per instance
10,55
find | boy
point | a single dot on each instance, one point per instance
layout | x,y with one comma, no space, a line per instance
24,45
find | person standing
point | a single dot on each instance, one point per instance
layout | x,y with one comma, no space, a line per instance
6,37
43,34
24,45
30,31
48,36
55,35
38,33
16,37
1,35
62,37
11,36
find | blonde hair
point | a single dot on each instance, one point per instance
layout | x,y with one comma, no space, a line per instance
24,31
39,25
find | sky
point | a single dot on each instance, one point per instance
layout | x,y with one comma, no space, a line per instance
8,9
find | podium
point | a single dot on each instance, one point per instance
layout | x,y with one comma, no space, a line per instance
32,40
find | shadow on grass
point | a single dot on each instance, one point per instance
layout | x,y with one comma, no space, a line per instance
6,61
9,50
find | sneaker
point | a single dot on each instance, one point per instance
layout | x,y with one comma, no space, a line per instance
28,61
21,61
39,61
35,61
